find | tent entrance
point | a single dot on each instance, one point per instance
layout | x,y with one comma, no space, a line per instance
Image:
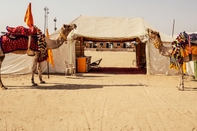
119,62
121,57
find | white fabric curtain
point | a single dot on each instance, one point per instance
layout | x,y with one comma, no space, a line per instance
159,64
16,64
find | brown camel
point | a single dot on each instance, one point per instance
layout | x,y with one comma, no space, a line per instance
31,50
183,49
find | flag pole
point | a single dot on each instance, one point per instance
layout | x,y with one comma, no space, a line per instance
46,10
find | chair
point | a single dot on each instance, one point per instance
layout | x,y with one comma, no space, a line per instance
70,67
95,64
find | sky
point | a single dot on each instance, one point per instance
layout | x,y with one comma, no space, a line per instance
160,14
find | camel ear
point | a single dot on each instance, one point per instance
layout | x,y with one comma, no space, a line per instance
64,25
159,36
75,26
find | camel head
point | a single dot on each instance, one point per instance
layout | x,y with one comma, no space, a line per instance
66,29
155,37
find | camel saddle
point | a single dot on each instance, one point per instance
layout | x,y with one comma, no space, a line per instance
16,39
21,31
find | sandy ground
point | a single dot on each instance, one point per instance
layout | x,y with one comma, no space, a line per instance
113,59
98,102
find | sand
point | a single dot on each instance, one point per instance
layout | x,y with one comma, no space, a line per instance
113,58
98,102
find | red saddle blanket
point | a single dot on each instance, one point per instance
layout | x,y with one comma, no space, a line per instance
18,43
20,30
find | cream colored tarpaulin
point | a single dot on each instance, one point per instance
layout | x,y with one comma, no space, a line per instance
16,64
159,64
190,68
64,53
113,28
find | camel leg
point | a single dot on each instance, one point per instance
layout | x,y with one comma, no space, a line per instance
2,87
29,51
34,67
181,83
40,73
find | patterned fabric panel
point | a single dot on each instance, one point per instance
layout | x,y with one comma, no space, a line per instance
20,30
21,43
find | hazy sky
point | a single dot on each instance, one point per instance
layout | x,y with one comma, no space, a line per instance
158,13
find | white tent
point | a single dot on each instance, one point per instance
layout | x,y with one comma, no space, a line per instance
124,29
105,29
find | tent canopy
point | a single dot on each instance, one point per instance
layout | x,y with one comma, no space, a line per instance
93,28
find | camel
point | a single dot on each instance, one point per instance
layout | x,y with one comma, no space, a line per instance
30,41
184,49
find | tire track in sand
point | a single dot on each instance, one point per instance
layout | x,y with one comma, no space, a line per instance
103,112
89,123
151,100
165,103
136,100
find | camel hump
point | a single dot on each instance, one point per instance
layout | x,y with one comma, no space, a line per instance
20,31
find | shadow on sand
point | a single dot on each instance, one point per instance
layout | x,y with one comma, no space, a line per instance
58,86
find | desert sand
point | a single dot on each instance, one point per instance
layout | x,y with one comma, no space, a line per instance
98,102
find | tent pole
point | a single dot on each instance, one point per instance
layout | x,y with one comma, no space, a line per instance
148,57
195,69
173,28
81,46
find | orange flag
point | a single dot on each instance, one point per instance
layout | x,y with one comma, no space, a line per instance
50,54
28,19
184,67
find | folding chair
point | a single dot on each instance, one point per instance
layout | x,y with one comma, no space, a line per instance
70,67
95,64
